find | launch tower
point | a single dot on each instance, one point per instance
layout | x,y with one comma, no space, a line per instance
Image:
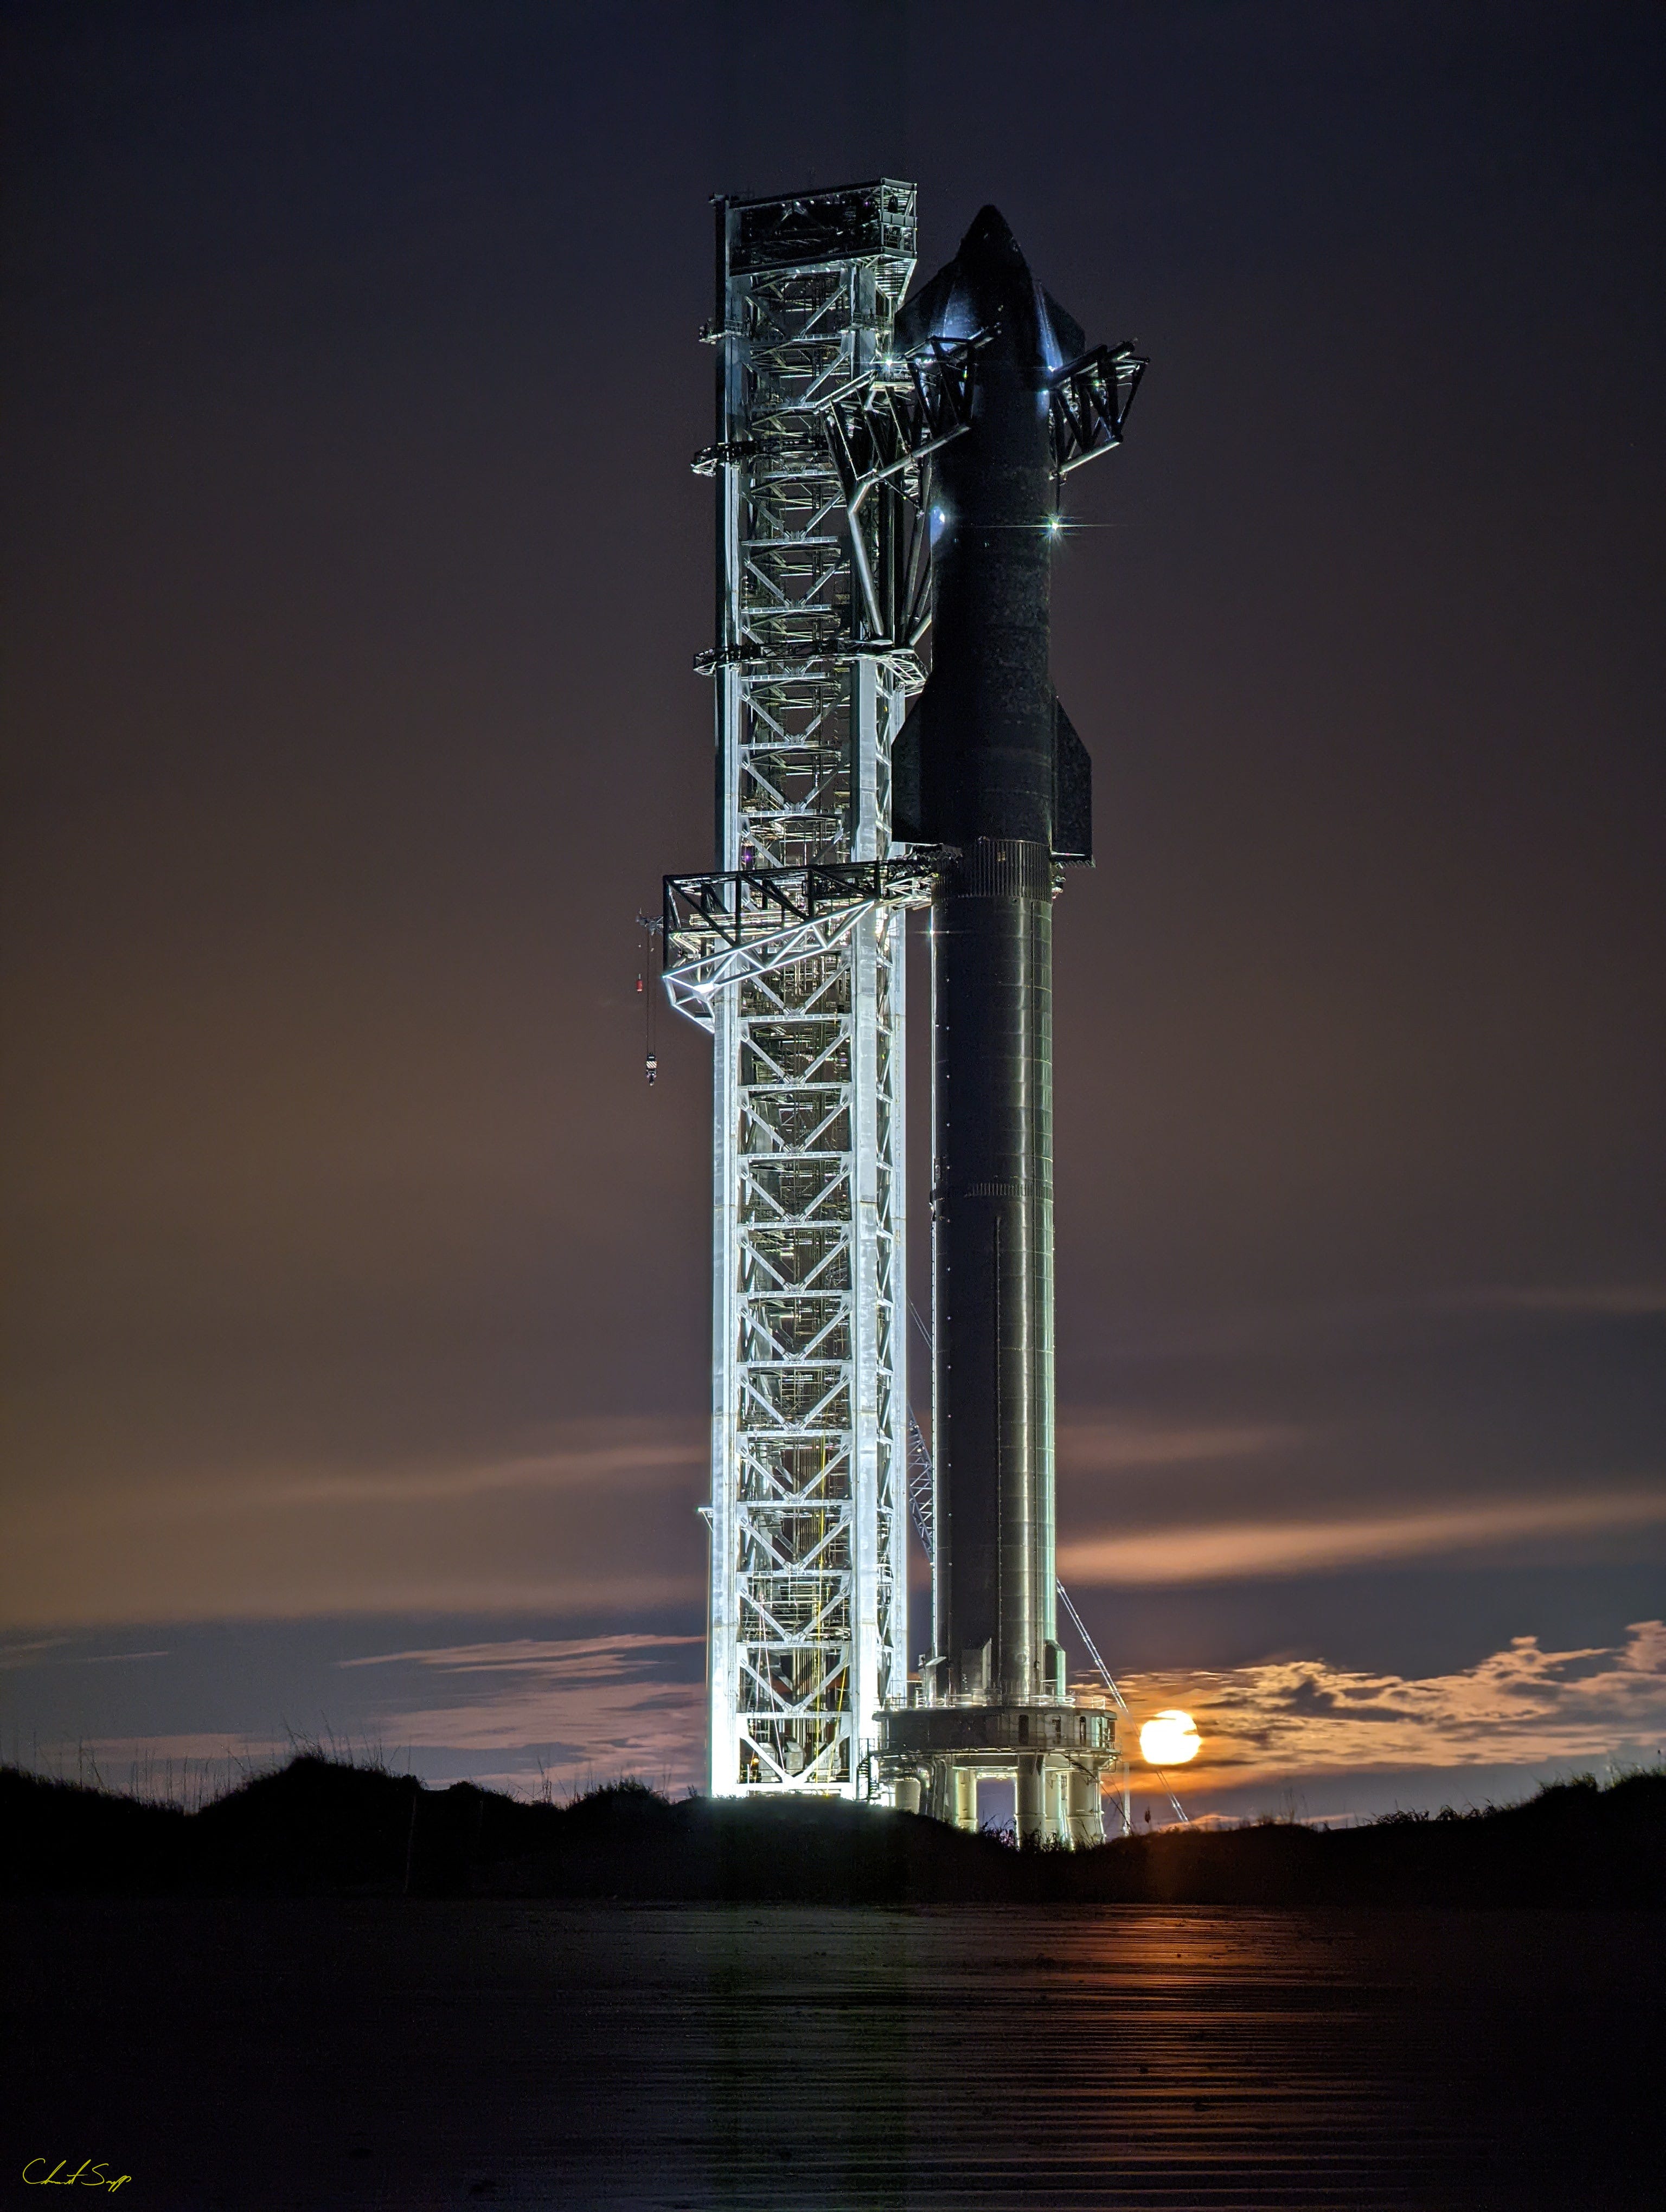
882,470
797,969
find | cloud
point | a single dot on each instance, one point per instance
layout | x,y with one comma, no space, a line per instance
1621,1300
1315,1327
1114,1444
605,1655
203,1745
25,1655
1248,1550
623,1466
574,1710
600,1704
599,1518
16,1655
1519,1706
187,1768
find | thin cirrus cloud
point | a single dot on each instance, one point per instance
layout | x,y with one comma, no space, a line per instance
1520,1707
638,1461
223,1758
597,1705
1619,1301
1237,1551
13,1655
593,1658
599,1518
577,1709
1113,1444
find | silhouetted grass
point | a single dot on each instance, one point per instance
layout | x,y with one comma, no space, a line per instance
330,1825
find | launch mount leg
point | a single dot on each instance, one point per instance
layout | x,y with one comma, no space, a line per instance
1029,1804
965,1797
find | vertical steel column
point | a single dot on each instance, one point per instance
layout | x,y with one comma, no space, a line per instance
808,1582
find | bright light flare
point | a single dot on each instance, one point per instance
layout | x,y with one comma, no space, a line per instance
1168,1738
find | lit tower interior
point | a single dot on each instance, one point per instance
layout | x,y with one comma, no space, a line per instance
803,993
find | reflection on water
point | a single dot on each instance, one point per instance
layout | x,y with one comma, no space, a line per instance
311,2055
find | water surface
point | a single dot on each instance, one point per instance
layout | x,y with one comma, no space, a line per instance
272,2057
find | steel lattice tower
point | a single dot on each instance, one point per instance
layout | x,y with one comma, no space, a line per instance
808,1621
833,419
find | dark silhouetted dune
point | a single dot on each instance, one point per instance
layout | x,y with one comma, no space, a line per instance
321,1827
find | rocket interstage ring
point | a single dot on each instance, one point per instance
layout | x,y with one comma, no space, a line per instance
1002,867
967,1733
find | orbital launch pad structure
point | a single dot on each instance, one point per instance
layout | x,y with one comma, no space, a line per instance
887,737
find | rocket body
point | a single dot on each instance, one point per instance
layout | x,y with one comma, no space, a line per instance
992,1273
980,772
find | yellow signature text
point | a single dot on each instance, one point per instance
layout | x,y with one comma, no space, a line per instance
87,2175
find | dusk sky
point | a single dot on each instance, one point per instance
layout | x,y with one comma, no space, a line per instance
356,1322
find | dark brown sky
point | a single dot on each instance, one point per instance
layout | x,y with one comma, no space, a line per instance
357,1297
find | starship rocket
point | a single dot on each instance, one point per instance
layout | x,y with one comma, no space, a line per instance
988,767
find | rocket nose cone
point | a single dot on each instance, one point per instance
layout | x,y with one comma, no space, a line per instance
986,287
989,244
997,282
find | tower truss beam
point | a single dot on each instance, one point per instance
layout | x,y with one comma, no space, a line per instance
791,954
721,930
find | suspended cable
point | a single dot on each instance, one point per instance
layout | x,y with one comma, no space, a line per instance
1121,1703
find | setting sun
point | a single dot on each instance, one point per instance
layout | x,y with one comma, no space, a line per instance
1168,1738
